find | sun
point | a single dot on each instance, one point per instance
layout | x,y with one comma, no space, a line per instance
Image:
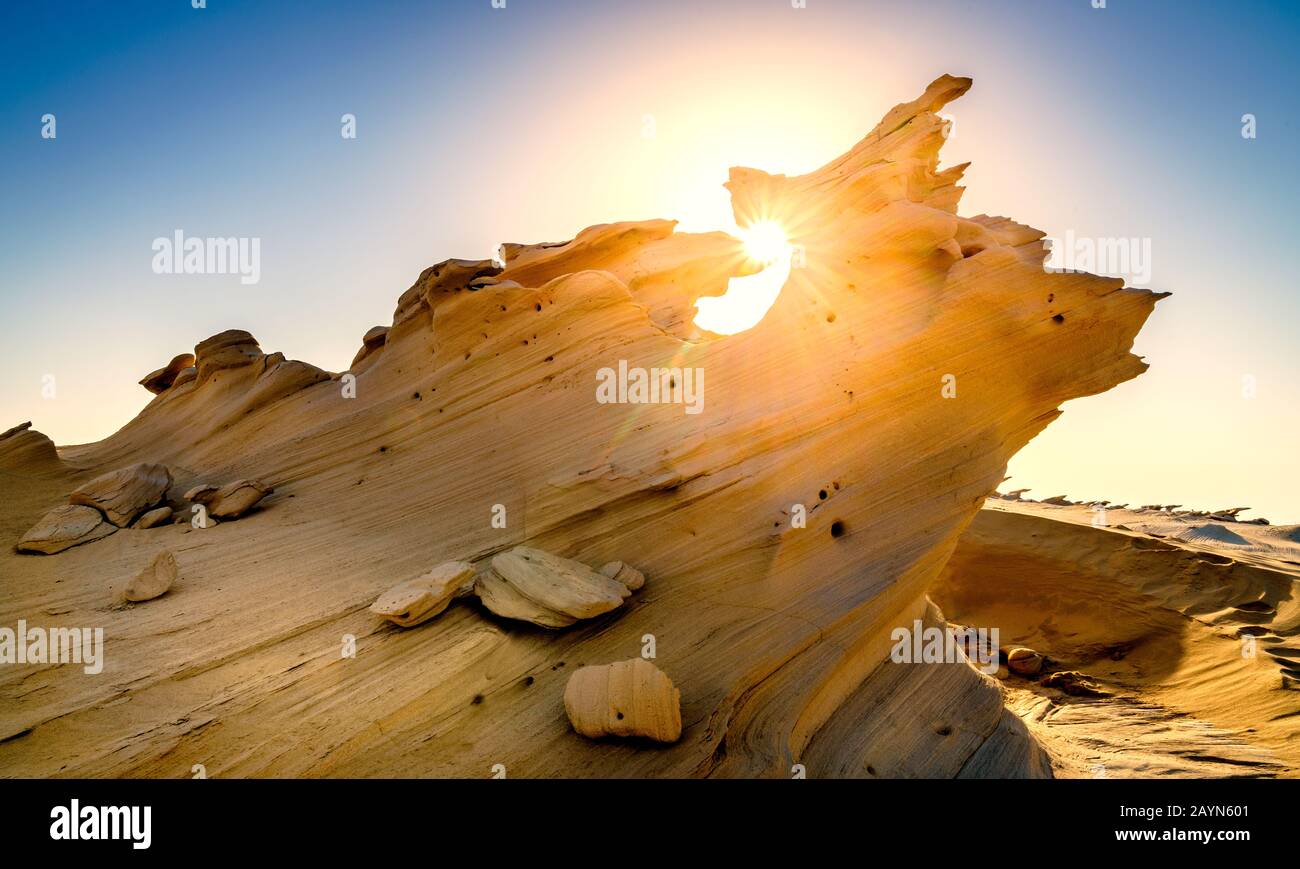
765,241
749,297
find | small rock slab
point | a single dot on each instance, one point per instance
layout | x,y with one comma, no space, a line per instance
154,517
124,494
629,698
235,499
417,600
501,598
560,584
64,527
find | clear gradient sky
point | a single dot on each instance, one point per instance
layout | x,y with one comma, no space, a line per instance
478,125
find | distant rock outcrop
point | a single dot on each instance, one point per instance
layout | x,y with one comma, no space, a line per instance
22,448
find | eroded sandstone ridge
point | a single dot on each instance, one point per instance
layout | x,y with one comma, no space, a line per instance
479,402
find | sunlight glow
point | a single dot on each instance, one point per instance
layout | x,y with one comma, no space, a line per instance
748,298
765,241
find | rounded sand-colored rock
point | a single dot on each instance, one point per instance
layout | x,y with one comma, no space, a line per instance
629,698
155,579
1026,662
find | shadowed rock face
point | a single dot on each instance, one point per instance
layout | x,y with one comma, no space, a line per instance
481,402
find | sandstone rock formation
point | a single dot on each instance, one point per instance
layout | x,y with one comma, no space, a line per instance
370,342
64,527
24,449
417,600
482,396
156,578
162,379
124,494
630,698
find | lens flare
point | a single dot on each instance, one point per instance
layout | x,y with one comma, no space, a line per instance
748,298
765,241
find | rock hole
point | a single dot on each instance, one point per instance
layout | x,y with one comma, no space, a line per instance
837,528
823,495
478,699
1058,318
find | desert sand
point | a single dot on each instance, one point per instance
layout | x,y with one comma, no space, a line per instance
829,491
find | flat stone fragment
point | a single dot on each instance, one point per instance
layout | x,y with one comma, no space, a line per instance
559,584
154,517
500,597
629,698
417,600
64,527
124,494
155,579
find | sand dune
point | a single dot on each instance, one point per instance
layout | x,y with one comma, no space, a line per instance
880,398
1197,651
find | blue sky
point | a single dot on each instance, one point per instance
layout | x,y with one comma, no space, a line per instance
478,125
